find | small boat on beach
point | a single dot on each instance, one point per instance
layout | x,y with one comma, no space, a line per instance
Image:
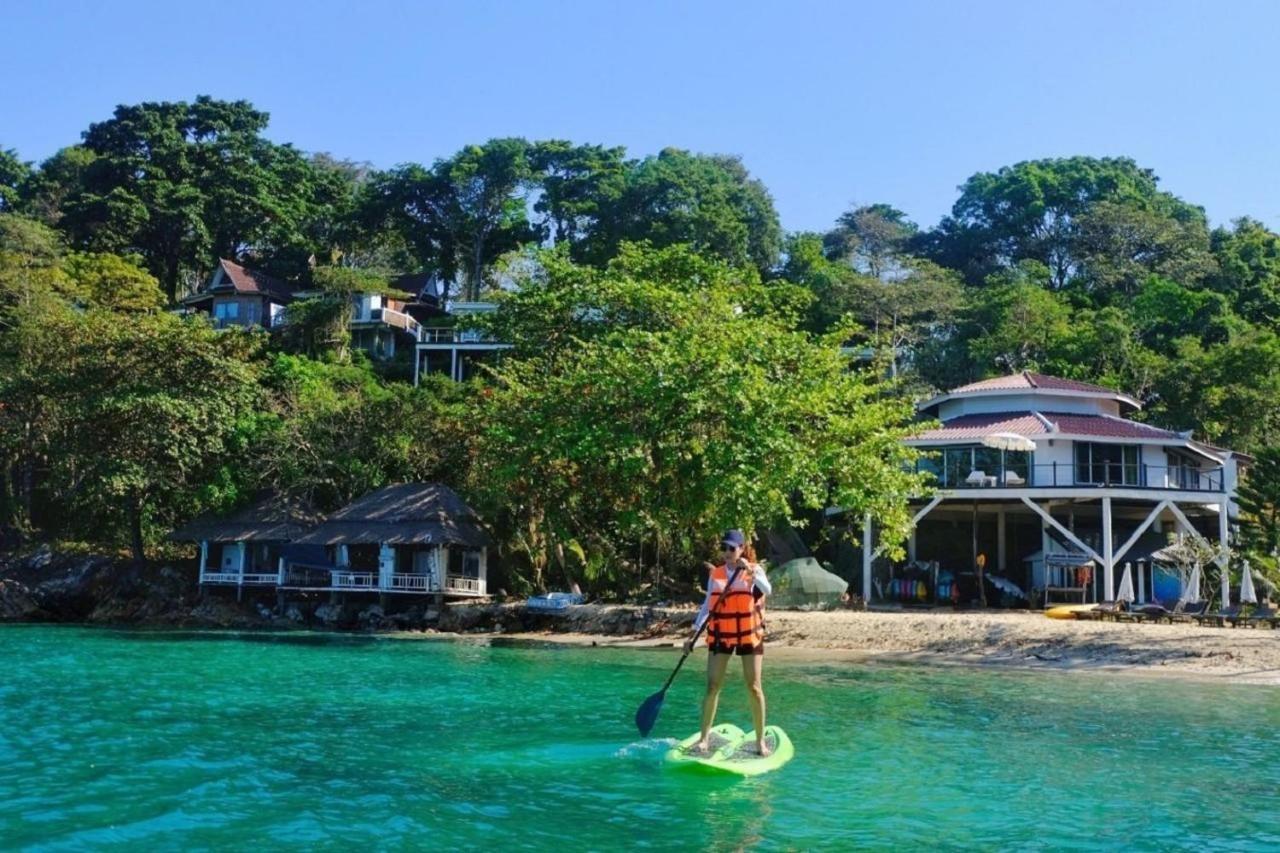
553,602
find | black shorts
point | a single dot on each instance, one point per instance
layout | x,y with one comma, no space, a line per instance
741,651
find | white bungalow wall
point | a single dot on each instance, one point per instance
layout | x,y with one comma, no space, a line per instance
1038,401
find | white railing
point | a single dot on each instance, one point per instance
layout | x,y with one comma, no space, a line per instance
398,320
235,578
453,335
354,580
418,582
457,583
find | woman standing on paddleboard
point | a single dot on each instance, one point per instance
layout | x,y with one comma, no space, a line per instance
737,628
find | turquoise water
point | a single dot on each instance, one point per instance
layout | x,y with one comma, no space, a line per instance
133,740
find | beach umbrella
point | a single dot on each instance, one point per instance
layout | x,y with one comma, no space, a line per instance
1226,586
1192,592
1009,441
1125,593
1247,593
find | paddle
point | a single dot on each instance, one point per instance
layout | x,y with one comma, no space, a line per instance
647,713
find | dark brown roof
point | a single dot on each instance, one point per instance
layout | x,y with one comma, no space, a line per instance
270,518
1027,379
249,282
406,514
1033,424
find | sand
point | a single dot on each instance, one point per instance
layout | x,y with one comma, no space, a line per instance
1001,638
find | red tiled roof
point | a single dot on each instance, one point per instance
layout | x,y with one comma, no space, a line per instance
1027,379
1029,424
251,282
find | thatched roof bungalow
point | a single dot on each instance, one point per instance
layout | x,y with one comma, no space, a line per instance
407,538
247,547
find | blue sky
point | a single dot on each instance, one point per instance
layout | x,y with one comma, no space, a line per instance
830,104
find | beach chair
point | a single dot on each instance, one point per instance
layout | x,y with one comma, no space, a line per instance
1220,617
976,478
1261,615
1104,610
1189,612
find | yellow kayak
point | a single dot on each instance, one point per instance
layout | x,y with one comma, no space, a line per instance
1067,611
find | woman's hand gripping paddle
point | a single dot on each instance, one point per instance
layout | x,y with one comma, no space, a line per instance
647,713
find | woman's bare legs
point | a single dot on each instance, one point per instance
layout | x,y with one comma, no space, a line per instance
752,665
716,666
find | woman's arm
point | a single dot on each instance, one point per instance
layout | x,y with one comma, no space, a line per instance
761,580
704,611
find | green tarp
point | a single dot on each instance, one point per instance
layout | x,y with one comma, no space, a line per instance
805,581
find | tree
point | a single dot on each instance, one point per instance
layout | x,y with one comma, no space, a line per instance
710,203
1248,270
332,432
1119,246
1226,392
14,173
149,411
870,238
1017,324
460,215
59,178
577,184
1258,495
321,323
111,282
183,183
712,411
1032,211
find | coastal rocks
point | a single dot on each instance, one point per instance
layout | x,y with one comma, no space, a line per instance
16,602
371,618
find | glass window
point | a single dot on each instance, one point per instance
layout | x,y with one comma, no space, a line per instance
958,463
1107,464
931,464
987,460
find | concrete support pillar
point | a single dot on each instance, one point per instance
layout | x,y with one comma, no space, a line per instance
484,571
1224,534
344,557
911,546
866,558
204,558
417,364
280,572
442,566
1142,585
453,365
1108,561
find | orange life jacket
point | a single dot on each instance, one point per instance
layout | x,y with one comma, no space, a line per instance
738,621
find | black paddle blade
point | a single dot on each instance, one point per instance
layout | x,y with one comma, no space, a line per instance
647,713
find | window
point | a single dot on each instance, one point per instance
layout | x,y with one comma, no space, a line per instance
1107,464
471,564
252,313
226,313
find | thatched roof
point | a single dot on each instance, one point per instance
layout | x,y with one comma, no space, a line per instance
407,514
270,518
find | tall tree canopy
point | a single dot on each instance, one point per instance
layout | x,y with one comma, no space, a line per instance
1053,212
183,183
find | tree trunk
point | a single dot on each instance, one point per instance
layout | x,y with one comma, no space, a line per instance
135,530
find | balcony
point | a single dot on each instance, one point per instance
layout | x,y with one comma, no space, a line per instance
1058,475
453,335
390,317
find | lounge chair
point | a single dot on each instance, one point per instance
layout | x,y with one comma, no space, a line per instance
1261,615
1155,611
1190,611
1012,479
976,478
1221,617
1104,610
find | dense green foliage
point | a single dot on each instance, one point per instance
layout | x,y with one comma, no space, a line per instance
679,362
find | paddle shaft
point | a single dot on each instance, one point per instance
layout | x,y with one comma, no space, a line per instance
733,577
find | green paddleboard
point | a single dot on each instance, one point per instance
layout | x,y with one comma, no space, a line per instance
720,737
739,754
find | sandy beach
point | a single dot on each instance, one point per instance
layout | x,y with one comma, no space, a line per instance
1015,639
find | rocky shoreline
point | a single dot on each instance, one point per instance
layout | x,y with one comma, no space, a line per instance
44,587
94,589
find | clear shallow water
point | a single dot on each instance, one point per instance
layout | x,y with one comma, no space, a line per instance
115,740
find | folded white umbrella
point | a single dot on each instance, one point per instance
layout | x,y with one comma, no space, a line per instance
1246,586
1125,592
1192,592
1009,441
